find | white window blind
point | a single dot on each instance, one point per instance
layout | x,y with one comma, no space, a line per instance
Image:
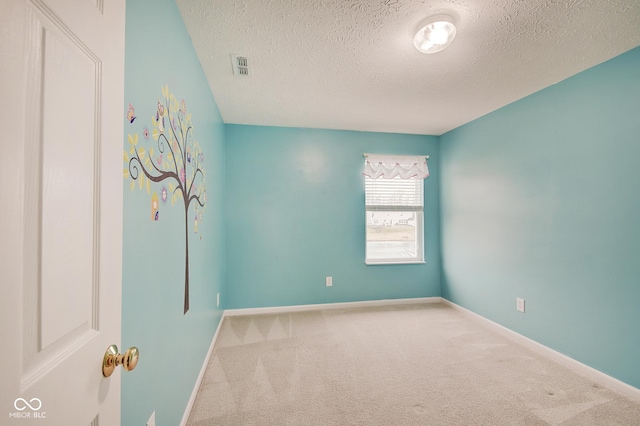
394,194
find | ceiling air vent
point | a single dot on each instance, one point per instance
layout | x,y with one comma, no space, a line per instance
240,65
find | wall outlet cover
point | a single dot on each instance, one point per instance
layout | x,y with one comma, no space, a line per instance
519,304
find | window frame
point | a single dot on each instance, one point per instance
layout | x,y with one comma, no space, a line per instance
419,243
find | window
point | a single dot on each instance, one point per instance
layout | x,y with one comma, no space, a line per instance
394,220
394,199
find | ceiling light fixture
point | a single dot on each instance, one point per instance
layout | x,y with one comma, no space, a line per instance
435,34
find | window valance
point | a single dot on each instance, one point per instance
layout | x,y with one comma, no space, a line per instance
390,166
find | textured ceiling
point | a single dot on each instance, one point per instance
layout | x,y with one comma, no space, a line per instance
352,65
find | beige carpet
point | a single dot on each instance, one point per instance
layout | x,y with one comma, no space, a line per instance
394,365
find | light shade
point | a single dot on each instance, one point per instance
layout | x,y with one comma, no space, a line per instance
435,34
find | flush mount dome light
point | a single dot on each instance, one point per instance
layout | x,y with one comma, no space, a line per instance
435,34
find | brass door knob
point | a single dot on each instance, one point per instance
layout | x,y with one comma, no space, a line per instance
112,359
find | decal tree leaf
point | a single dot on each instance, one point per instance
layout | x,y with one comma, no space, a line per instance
180,162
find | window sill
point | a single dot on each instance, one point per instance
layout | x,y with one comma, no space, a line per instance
390,262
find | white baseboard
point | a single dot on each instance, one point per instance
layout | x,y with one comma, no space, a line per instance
317,307
203,369
576,366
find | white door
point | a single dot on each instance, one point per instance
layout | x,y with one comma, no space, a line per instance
61,115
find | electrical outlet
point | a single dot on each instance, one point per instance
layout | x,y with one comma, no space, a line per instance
152,419
329,281
218,299
519,304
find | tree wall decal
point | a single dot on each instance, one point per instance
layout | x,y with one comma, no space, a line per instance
178,160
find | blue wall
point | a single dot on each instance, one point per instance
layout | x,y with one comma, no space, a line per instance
295,214
540,200
172,345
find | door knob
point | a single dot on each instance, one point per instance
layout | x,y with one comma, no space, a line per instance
112,359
